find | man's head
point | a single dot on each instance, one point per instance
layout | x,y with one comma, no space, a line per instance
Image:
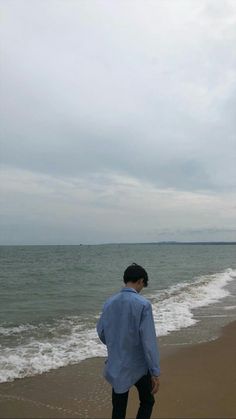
136,276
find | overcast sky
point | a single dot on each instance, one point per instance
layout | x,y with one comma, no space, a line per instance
118,121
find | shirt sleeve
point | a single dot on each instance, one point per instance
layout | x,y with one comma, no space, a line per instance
149,340
100,329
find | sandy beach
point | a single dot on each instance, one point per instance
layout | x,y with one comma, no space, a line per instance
197,382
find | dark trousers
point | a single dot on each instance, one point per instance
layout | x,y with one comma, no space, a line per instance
120,400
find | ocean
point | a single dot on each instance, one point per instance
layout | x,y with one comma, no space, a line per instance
51,297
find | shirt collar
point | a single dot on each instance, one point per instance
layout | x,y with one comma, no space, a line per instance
127,289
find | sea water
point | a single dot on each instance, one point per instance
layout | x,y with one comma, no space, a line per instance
51,298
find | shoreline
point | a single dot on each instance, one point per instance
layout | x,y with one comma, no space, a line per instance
197,381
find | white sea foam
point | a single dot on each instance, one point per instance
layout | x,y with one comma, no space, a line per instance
9,331
172,308
71,340
37,356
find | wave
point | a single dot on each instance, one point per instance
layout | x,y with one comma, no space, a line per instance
172,308
48,346
10,331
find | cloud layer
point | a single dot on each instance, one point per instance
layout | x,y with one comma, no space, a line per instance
118,118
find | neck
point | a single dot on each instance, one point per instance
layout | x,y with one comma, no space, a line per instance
133,285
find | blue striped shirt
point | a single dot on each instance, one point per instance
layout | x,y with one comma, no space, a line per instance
126,327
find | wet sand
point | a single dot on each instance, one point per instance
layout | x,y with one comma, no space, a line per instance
197,382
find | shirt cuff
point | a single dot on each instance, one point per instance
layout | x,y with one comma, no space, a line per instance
155,371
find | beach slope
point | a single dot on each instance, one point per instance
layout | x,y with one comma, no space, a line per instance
197,382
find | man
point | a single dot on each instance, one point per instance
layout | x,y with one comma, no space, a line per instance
126,327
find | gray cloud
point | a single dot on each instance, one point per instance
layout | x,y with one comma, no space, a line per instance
145,92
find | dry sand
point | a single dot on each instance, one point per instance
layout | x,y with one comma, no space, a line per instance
197,382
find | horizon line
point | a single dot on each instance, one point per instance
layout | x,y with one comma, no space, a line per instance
174,242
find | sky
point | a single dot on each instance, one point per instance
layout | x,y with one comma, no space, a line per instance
117,121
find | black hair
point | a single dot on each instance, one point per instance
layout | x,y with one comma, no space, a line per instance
135,272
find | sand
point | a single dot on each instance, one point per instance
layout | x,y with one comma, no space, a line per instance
196,382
